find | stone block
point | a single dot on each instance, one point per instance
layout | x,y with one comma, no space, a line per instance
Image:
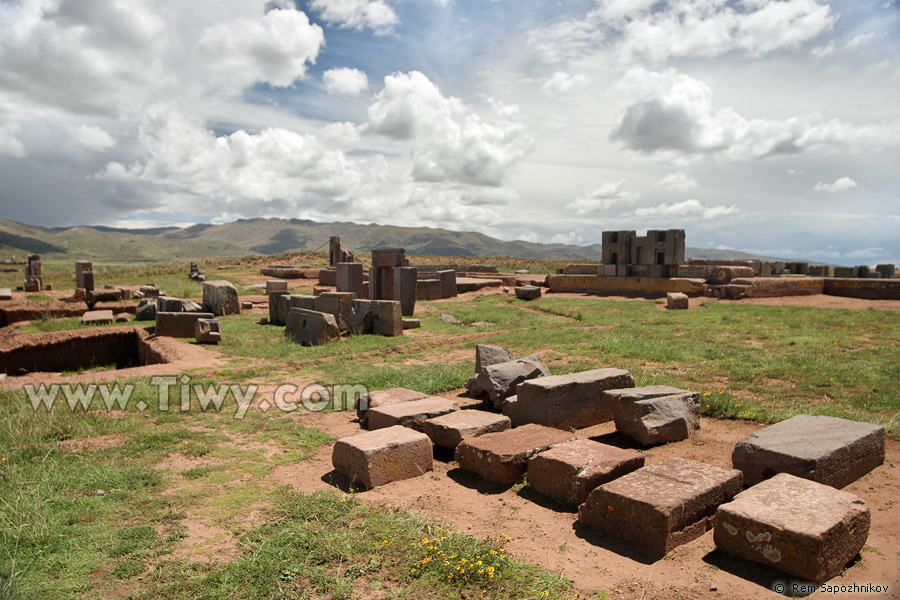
486,356
386,317
818,271
661,506
408,287
800,527
622,271
571,470
886,270
385,398
677,301
409,414
123,318
656,414
502,457
286,302
448,431
359,317
81,267
336,304
97,317
33,284
349,278
574,400
149,291
5,294
310,327
320,289
384,283
378,457
447,278
169,304
178,324
126,293
827,450
276,285
208,331
328,277
221,298
146,310
411,324
246,305
501,380
528,292
607,270
845,272
422,288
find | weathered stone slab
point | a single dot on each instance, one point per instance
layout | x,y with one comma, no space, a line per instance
386,317
501,380
486,356
97,317
411,324
276,285
5,294
448,431
574,400
178,324
828,450
385,398
656,414
677,301
286,302
661,506
169,304
123,317
33,284
503,457
409,414
378,457
82,266
146,310
328,277
221,298
801,527
349,278
408,278
447,278
528,292
336,304
572,470
310,327
208,331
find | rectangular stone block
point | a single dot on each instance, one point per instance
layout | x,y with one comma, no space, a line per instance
97,317
384,283
845,272
359,317
274,318
276,285
565,401
389,257
827,450
169,304
656,414
502,457
408,286
288,301
424,287
178,324
661,506
221,298
571,470
349,277
677,301
411,324
385,398
336,304
409,414
607,270
33,284
82,266
5,294
528,292
448,431
208,331
310,327
800,527
378,457
447,278
328,277
386,318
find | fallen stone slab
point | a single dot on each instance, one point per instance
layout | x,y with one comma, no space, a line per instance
5,294
448,431
677,301
564,401
528,292
571,470
472,284
208,331
502,457
501,380
803,528
486,356
411,323
385,398
221,298
286,302
276,285
146,310
828,450
409,414
123,318
97,317
178,324
310,327
661,506
378,457
656,414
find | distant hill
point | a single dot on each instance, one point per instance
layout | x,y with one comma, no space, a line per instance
274,236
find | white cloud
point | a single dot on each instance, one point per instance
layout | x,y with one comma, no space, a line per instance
679,181
570,238
562,82
822,51
274,49
93,138
602,197
10,144
686,208
859,40
345,81
376,15
450,141
841,184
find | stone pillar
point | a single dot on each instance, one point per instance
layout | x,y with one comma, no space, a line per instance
349,278
448,283
408,278
81,267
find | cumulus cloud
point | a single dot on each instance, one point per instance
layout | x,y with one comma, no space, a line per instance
686,208
602,197
562,82
842,184
450,141
679,181
93,138
376,15
273,50
345,81
10,144
671,113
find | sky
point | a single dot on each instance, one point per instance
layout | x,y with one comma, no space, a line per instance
769,126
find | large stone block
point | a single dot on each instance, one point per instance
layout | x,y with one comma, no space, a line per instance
501,380
503,457
310,327
81,267
565,401
359,317
661,506
486,356
677,301
97,317
336,304
447,278
656,414
448,431
800,527
221,298
178,324
828,450
276,285
5,294
208,331
408,278
409,414
349,278
528,292
572,470
386,317
378,457
385,398
286,302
